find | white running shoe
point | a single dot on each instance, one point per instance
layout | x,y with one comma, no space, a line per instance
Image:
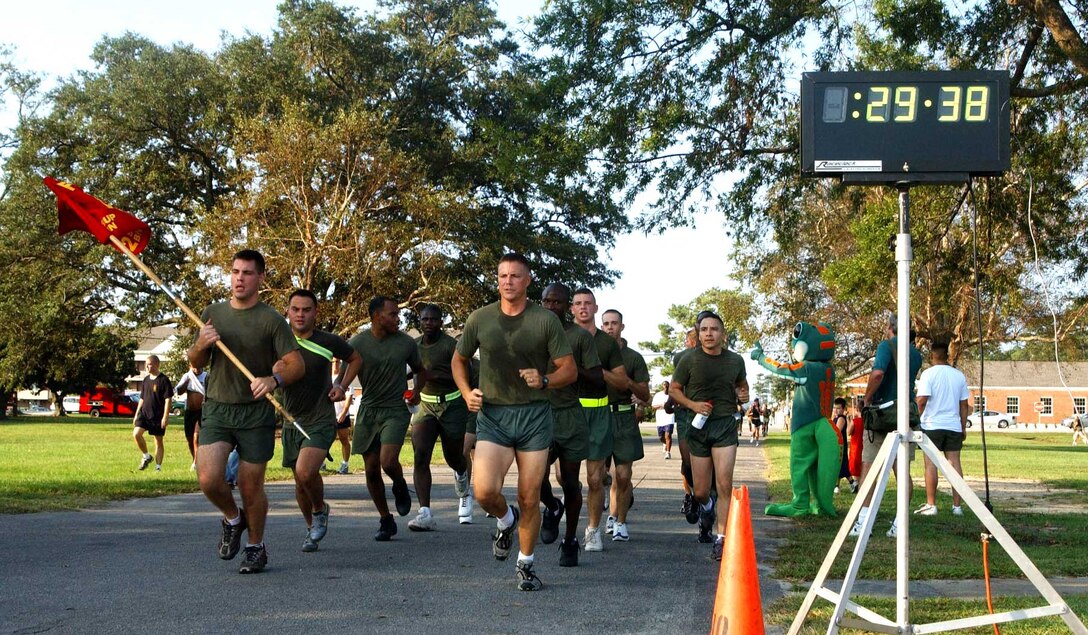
619,533
855,531
609,524
423,521
957,510
343,468
592,540
668,455
893,531
464,510
926,510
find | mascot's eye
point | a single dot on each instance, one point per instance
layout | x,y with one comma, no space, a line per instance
797,329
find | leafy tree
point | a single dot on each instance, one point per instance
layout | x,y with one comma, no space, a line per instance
696,100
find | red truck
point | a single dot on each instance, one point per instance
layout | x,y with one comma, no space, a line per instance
104,401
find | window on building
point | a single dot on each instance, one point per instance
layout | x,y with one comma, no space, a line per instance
1080,405
980,403
1048,406
1012,405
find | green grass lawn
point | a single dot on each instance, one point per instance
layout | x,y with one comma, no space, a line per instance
51,463
925,611
945,546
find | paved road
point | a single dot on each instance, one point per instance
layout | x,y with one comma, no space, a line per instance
150,566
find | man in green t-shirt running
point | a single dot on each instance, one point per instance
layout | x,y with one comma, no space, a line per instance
236,413
598,414
711,381
626,436
570,445
516,341
382,420
310,401
442,414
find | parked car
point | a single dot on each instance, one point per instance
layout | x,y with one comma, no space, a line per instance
37,410
103,401
1068,421
71,404
992,416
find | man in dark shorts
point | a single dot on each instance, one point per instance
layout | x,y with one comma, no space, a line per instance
711,381
382,420
310,402
598,415
683,425
153,412
626,436
193,386
236,412
442,414
516,341
571,439
942,401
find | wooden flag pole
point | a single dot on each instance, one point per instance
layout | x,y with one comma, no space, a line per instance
196,320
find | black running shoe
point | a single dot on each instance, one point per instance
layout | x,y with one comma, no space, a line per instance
527,580
387,528
504,538
691,513
568,553
706,526
549,524
719,545
402,497
255,560
232,537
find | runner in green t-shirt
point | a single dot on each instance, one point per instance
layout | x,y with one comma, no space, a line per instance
571,439
683,425
598,414
236,413
382,421
711,381
442,414
310,402
516,341
627,438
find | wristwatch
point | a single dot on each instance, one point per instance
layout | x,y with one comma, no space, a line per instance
543,382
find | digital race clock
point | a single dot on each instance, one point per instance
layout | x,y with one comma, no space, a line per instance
904,125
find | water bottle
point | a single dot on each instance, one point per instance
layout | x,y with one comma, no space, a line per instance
699,420
407,398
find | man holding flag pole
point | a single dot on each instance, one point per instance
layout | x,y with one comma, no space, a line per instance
236,413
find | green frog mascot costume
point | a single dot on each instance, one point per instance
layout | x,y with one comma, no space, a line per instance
815,446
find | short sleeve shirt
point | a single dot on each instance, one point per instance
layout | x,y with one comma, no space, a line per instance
711,378
585,356
608,351
663,418
307,400
155,394
636,369
436,358
946,387
383,375
885,361
507,344
258,337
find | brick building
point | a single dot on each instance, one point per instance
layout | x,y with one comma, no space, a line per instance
1033,391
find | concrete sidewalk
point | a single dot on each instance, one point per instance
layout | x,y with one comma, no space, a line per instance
150,565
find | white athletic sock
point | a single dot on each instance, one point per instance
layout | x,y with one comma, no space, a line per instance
260,544
146,455
459,474
235,522
863,514
424,511
591,529
709,505
507,519
721,536
524,559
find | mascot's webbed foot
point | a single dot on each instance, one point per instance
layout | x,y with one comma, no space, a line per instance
786,510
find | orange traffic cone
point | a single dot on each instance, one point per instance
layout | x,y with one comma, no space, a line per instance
738,609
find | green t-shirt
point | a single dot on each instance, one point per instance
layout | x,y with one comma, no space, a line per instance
383,375
307,400
436,359
711,378
636,369
585,356
608,351
258,337
508,344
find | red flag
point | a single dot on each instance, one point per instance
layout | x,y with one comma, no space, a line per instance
79,211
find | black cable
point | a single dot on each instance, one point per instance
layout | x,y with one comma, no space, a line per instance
981,340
